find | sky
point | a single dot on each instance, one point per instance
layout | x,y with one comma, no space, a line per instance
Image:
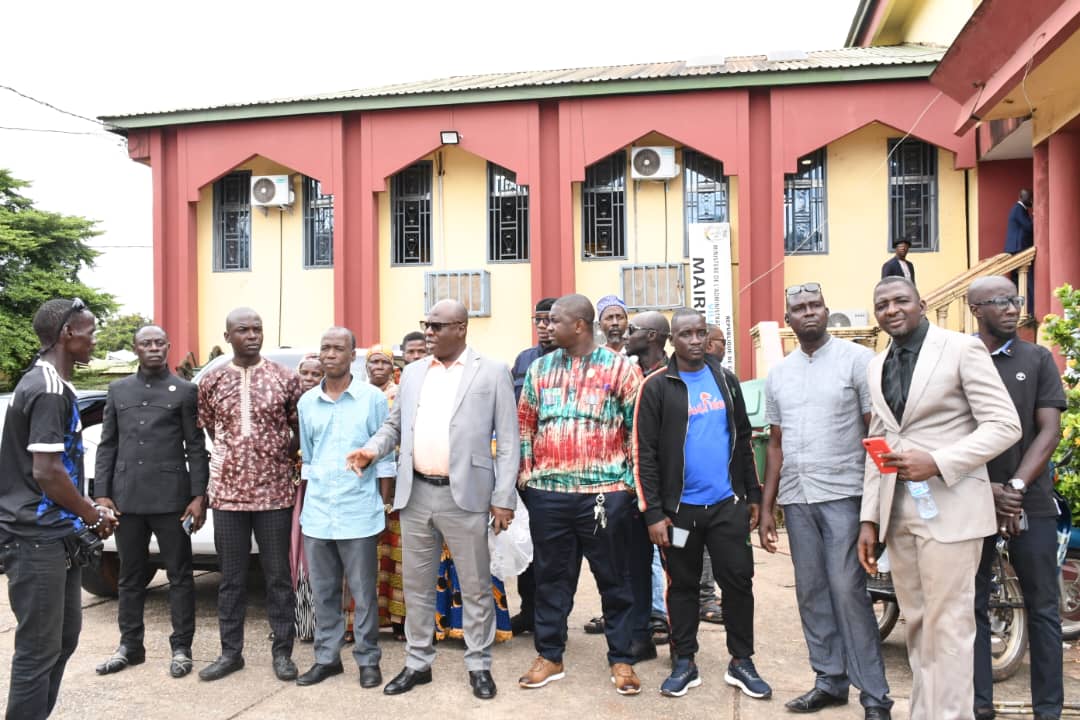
91,60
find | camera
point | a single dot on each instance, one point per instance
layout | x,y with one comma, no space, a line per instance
84,548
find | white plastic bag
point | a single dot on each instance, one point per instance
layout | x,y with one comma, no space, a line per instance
512,549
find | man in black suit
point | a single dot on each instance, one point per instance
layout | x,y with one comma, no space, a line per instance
152,470
1020,234
899,265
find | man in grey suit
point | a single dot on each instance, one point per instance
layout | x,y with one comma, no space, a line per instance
449,405
940,405
152,470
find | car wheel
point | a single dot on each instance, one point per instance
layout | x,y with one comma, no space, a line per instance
102,580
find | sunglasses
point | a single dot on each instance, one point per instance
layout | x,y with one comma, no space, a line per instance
1002,302
805,287
437,327
542,320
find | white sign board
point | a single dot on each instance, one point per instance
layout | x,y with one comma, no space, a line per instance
710,280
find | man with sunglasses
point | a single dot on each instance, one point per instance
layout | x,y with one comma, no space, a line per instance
1023,498
43,510
817,477
449,405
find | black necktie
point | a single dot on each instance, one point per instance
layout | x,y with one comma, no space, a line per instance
897,380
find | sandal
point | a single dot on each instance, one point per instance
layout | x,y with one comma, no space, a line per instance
595,626
712,613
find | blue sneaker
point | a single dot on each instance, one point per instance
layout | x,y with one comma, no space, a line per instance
743,675
684,675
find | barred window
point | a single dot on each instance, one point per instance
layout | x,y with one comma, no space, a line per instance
472,288
508,216
805,226
913,193
705,192
318,226
603,208
232,222
653,286
410,210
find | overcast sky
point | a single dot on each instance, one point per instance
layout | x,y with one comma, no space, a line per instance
93,59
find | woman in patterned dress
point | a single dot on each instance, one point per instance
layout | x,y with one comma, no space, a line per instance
311,374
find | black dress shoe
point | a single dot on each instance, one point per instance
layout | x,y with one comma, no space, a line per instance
406,680
483,685
642,652
285,668
120,659
985,713
319,672
370,676
815,700
180,665
878,713
520,624
224,665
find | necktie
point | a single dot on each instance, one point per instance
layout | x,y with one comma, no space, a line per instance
893,385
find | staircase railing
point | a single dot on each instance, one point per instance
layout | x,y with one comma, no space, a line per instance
947,305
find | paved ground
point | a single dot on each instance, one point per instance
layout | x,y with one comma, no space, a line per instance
147,691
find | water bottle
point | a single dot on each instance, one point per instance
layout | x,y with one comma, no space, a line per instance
924,501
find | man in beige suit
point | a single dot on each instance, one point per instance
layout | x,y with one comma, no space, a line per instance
941,407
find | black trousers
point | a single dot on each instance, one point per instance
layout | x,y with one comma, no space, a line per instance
232,538
133,543
564,527
1033,554
640,566
46,597
724,529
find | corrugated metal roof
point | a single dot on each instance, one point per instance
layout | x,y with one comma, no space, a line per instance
851,57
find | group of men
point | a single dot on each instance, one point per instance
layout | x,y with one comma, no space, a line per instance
615,449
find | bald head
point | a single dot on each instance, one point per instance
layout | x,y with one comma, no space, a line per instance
576,307
244,332
652,320
985,288
1025,197
238,315
451,310
150,329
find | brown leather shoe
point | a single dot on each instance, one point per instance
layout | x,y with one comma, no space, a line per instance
625,679
542,672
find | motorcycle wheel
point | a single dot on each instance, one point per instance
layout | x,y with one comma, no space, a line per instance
1008,626
1070,598
887,613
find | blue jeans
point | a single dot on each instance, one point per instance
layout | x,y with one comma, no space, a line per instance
46,597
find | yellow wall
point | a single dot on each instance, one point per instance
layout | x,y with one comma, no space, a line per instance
924,21
459,242
307,301
858,224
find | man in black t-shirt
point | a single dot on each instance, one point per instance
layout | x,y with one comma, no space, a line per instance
1022,496
42,509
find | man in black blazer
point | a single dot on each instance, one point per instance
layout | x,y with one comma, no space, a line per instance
152,470
899,265
1020,233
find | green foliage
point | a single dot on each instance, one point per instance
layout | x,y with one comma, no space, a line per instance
117,333
1064,332
41,255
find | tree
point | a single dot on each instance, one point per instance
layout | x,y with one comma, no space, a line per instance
1064,332
41,255
118,333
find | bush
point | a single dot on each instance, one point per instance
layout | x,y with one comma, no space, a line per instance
1064,333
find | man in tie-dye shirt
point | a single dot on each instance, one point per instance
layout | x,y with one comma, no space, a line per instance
576,414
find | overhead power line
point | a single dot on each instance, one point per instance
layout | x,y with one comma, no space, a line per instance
51,106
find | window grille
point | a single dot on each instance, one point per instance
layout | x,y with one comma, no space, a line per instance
913,193
410,209
508,216
472,288
603,208
232,222
318,226
705,192
805,224
653,286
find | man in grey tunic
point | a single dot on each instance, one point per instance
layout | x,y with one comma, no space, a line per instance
817,404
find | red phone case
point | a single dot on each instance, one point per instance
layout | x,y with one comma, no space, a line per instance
877,447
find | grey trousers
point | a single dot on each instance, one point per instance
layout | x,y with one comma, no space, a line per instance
432,512
830,585
357,561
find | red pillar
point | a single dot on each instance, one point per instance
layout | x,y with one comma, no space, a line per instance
1064,215
1041,222
356,238
553,245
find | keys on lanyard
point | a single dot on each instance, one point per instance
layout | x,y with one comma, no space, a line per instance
599,514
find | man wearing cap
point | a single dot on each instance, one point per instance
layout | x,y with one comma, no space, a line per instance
611,312
899,265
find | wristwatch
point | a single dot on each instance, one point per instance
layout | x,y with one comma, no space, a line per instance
388,508
1018,484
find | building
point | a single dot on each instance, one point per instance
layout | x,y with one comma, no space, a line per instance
501,189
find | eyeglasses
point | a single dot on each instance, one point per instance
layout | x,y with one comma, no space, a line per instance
437,327
805,287
542,320
1001,302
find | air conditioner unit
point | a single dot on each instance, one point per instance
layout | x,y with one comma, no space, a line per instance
849,318
271,190
653,163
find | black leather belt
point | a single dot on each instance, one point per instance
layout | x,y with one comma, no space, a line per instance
438,480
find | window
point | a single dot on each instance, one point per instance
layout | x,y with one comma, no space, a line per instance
913,193
508,216
318,226
656,286
232,222
472,288
603,208
805,228
410,210
705,192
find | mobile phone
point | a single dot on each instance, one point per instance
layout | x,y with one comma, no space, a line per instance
678,536
877,447
1023,520
188,524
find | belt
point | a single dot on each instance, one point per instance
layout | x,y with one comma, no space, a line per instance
437,480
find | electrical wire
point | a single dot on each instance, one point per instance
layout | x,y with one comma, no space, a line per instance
51,106
55,130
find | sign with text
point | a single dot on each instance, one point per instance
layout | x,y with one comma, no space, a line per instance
710,280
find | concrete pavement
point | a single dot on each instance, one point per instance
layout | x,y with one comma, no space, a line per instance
147,691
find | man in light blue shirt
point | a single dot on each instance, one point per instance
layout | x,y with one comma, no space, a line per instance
343,511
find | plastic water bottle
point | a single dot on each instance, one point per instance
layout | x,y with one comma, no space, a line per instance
924,501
